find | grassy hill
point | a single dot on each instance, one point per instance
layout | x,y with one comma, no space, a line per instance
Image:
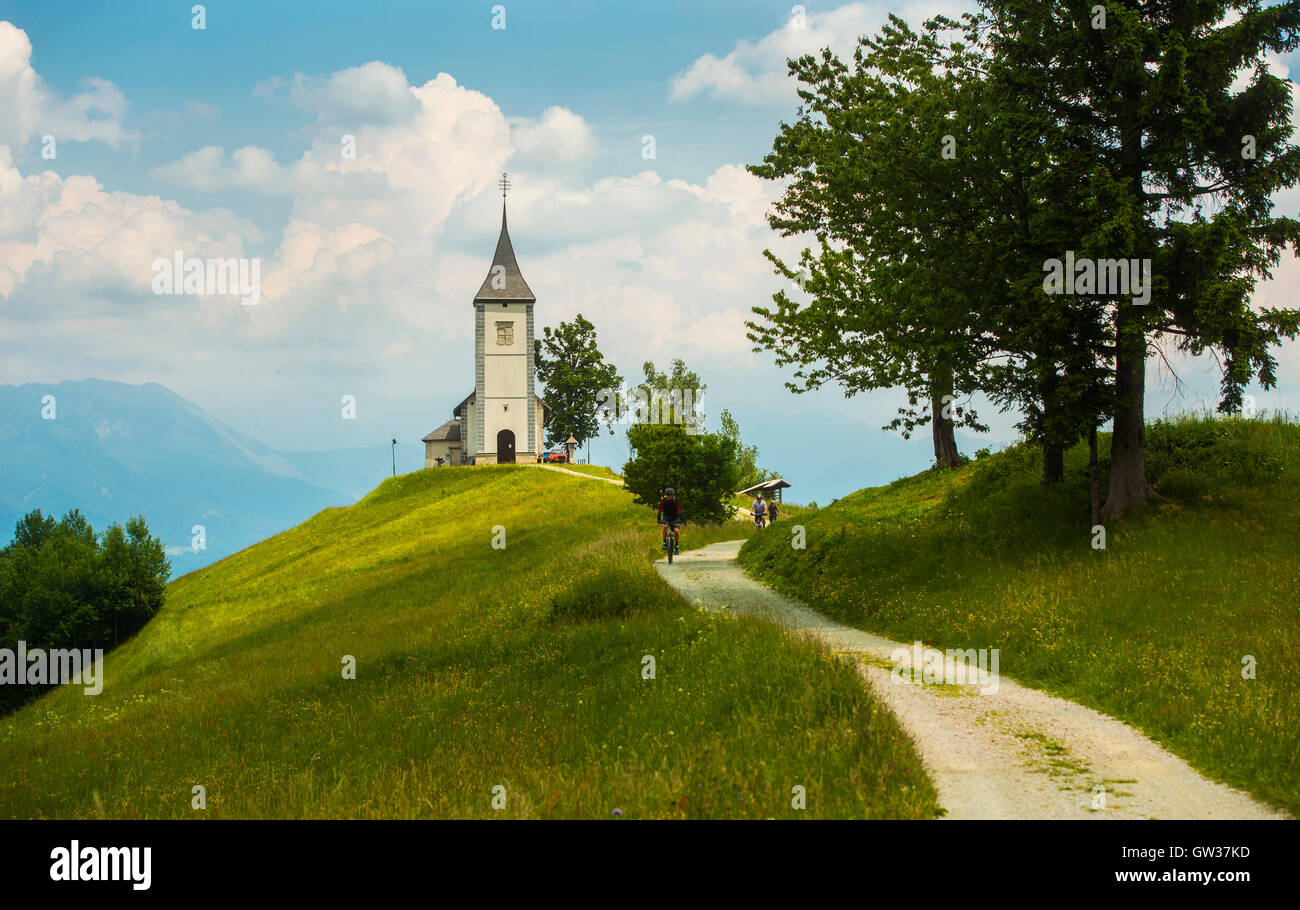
476,668
1153,629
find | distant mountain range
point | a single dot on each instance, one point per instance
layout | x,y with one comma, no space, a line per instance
114,450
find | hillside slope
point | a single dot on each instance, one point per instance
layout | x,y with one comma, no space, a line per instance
476,668
1156,629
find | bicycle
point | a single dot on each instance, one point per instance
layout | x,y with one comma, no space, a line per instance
671,542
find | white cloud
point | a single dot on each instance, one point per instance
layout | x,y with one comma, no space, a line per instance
409,167
208,168
373,93
559,136
29,108
756,72
377,248
70,239
202,109
21,95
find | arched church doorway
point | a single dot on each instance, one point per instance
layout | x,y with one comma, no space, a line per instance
506,447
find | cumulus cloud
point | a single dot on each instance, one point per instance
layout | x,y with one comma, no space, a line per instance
22,97
68,237
373,93
209,168
30,108
389,245
755,72
559,136
665,268
409,164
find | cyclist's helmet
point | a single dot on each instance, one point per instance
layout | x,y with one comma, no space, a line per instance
669,491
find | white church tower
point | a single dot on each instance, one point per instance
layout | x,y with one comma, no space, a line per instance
502,421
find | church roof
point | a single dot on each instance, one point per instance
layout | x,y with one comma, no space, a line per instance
448,432
515,288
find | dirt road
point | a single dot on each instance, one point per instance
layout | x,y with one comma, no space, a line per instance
1003,751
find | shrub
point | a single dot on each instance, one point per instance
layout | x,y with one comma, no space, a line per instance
1183,484
607,593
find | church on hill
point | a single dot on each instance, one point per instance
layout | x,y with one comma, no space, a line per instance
502,420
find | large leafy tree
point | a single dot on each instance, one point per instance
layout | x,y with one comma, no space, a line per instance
1115,137
1046,357
874,167
577,379
1182,160
934,201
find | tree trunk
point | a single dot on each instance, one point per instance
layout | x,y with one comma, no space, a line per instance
945,443
1095,491
1128,478
1053,462
1053,449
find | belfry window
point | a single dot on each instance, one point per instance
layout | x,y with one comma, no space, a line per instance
505,333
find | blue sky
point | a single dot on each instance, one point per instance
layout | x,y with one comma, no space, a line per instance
225,142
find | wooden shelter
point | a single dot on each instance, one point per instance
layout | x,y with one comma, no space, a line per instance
769,487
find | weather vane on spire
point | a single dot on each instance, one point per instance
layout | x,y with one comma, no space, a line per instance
505,185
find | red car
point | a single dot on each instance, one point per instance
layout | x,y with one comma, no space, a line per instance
556,457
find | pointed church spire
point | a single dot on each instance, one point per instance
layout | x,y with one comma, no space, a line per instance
504,283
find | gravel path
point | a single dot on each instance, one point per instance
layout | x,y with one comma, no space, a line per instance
556,467
993,752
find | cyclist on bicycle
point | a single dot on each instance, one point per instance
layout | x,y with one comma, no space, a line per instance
759,511
670,516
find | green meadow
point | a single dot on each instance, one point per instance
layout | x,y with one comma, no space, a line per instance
481,671
1156,629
